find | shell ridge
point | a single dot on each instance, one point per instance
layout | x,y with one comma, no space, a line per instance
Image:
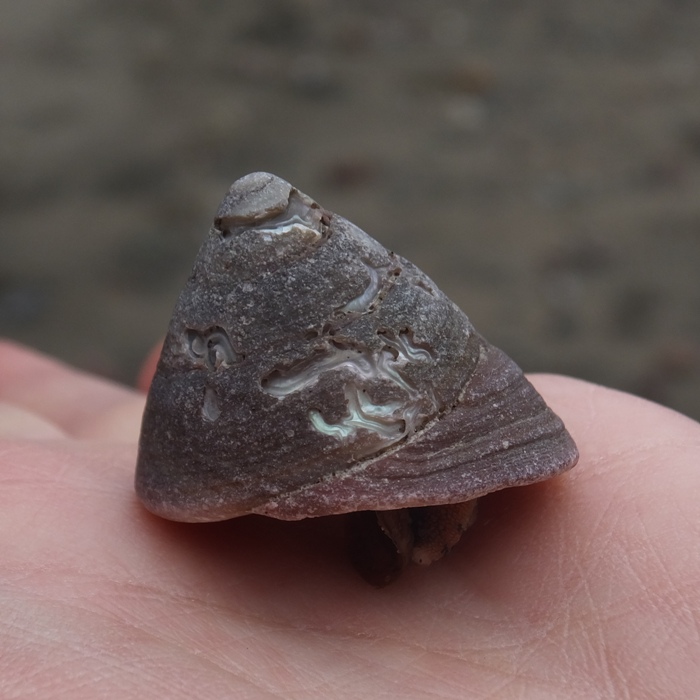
541,427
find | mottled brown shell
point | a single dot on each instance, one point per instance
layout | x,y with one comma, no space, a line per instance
308,371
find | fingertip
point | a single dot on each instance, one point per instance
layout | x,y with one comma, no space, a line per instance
148,369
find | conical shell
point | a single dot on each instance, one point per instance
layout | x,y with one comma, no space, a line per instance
308,371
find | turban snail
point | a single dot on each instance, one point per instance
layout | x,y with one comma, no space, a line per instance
308,371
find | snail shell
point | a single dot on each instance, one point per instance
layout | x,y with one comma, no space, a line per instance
308,371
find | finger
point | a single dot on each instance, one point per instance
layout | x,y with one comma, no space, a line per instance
628,516
18,424
75,402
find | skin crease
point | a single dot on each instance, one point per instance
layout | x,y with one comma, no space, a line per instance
585,586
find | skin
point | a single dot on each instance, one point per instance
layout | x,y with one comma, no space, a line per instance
585,586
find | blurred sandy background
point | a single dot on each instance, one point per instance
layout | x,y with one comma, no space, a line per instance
540,160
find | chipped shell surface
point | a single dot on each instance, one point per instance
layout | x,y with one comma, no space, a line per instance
308,371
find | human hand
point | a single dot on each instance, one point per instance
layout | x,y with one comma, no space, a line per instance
584,586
